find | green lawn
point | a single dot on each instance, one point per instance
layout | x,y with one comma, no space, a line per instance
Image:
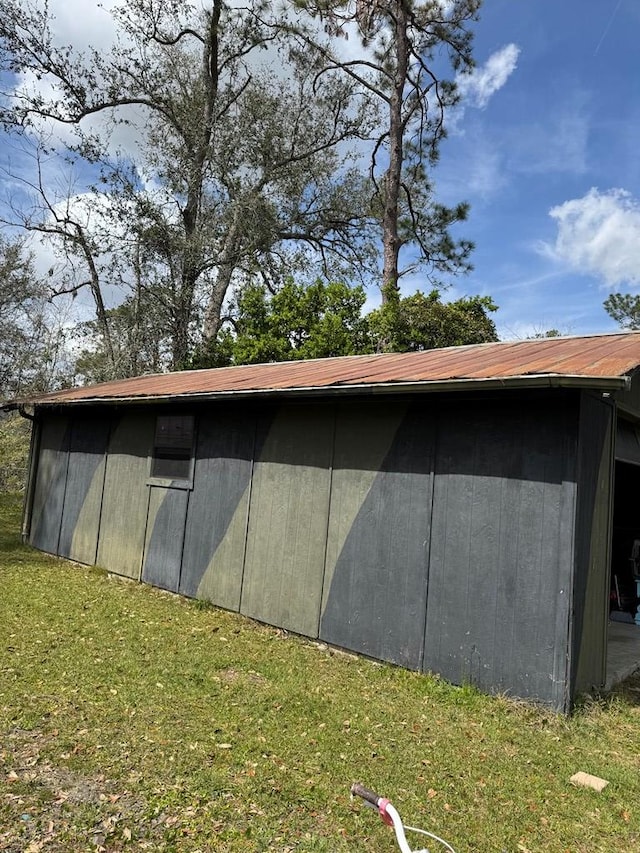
133,720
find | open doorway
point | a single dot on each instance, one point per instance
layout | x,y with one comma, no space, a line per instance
625,544
623,647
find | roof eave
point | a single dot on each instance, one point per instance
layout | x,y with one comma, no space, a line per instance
598,383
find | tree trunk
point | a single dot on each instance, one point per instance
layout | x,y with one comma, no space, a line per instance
191,214
393,176
227,261
96,292
212,318
182,311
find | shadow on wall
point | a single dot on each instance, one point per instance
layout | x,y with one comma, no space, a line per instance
390,528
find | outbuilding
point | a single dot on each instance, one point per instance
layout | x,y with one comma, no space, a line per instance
470,511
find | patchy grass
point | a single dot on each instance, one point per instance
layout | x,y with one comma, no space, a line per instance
131,719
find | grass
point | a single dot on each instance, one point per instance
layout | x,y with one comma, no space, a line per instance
132,720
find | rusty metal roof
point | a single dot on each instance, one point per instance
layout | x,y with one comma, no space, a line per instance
599,361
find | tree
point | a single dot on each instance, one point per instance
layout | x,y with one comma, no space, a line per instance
320,320
78,235
30,340
624,309
408,45
297,322
139,342
421,322
229,169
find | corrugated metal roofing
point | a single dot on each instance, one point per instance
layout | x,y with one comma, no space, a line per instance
597,361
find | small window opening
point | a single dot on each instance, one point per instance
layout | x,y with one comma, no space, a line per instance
173,447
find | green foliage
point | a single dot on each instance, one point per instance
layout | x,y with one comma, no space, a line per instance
420,322
321,320
549,333
297,322
133,720
237,169
624,309
243,168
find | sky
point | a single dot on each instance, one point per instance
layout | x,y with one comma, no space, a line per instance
544,146
546,151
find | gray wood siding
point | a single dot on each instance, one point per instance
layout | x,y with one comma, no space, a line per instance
448,533
288,516
50,483
216,527
165,537
382,489
83,493
502,548
126,495
593,544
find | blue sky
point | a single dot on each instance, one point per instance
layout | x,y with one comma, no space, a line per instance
546,151
544,147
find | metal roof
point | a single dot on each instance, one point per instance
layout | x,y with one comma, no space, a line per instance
599,361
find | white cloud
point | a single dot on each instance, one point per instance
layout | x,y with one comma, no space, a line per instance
599,234
81,24
478,87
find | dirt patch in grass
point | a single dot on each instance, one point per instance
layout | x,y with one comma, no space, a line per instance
48,807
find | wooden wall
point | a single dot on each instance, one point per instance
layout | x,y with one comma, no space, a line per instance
379,532
436,533
125,500
50,483
501,558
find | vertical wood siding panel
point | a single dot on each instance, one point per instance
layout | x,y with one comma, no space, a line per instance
217,517
83,495
164,537
453,563
50,484
358,457
375,603
501,558
288,520
124,506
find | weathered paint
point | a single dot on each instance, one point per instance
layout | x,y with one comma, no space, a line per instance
216,525
593,544
50,483
126,495
377,595
501,553
435,534
34,454
288,516
165,536
359,452
83,493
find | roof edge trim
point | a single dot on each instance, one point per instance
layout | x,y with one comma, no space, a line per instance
600,383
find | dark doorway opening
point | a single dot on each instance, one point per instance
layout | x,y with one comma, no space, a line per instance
623,643
625,544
